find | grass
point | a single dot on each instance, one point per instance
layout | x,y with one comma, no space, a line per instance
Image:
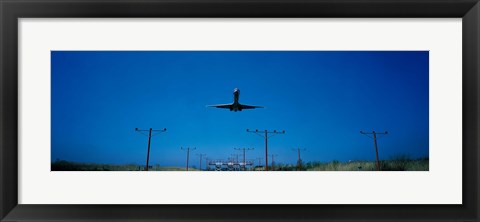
395,163
62,165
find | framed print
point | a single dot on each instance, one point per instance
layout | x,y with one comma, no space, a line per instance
278,110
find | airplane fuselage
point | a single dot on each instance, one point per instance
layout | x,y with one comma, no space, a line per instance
236,105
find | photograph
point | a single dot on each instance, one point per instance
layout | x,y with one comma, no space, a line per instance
234,111
239,111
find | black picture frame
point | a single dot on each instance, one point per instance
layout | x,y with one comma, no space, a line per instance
12,10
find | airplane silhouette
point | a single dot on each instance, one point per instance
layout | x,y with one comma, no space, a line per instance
235,106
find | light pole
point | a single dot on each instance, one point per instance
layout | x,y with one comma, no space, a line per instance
299,162
273,161
244,160
207,163
201,155
149,139
265,135
259,161
235,157
375,143
188,153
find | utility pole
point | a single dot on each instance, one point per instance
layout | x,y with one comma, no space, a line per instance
149,139
299,162
266,136
375,142
273,161
201,155
188,153
244,160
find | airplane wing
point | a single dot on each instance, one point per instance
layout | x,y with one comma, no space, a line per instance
223,106
249,106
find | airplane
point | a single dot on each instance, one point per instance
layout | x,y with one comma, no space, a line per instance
235,106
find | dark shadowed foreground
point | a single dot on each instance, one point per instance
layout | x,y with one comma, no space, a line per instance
399,163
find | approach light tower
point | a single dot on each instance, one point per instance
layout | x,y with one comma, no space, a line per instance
273,161
265,135
235,157
149,139
375,142
201,155
259,159
244,160
207,164
188,149
299,161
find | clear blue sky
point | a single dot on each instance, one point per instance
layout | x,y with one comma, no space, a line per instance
322,99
